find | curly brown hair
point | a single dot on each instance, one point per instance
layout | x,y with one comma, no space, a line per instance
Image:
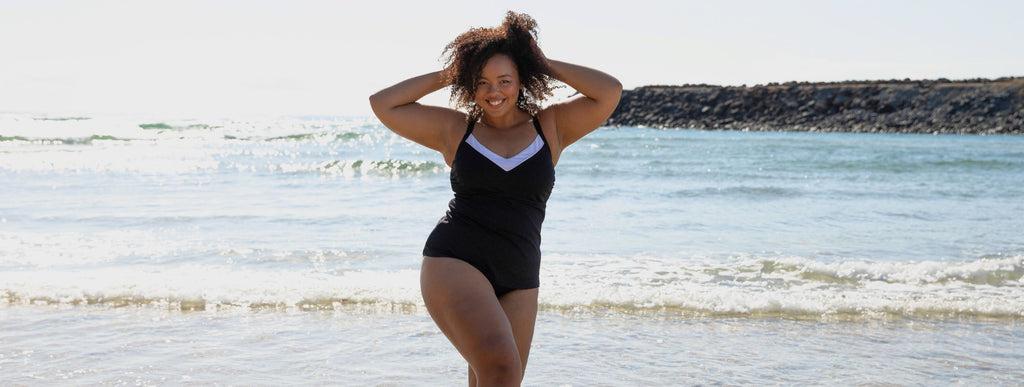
516,37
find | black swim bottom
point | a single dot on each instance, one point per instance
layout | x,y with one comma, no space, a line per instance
500,291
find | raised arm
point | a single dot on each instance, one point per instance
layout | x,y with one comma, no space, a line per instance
580,115
430,126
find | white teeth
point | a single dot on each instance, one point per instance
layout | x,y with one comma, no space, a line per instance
493,103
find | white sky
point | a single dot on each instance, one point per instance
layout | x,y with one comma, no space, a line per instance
232,58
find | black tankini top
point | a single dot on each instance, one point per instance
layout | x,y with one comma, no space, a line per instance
494,221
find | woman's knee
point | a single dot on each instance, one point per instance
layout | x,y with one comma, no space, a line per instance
498,360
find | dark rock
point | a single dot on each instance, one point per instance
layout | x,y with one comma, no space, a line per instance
976,106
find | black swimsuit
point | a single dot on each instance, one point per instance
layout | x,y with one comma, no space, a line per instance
494,221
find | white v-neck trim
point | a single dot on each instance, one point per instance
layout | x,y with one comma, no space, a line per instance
510,163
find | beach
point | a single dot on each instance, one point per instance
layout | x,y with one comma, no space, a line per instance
47,345
285,251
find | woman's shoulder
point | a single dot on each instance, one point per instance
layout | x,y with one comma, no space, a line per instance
546,118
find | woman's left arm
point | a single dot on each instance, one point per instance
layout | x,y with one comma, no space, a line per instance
580,115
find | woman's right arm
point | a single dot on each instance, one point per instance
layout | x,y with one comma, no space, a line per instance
431,126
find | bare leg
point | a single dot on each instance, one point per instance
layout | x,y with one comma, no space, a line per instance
521,309
462,303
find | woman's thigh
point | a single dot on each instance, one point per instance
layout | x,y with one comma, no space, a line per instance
521,309
462,303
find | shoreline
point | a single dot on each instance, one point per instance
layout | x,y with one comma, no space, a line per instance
941,106
67,346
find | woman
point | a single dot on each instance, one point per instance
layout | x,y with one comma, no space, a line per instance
479,275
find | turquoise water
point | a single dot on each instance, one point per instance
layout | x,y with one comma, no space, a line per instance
139,250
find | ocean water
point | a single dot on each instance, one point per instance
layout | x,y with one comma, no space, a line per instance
285,251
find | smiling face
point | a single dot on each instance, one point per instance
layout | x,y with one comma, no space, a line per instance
497,88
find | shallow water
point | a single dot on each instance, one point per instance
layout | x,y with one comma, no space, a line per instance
286,251
90,345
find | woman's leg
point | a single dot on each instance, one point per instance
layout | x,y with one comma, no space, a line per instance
521,309
462,303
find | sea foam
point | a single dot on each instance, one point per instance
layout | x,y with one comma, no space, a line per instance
795,287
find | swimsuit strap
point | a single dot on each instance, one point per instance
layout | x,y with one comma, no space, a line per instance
469,130
536,124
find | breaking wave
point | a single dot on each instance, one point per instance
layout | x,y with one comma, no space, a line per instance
989,288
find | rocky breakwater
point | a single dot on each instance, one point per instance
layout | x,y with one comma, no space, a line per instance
977,106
